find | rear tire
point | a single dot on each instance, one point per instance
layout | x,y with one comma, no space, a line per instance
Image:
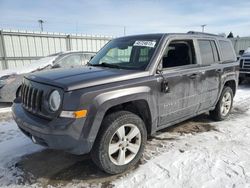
120,142
224,105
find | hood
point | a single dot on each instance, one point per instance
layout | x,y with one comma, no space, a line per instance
34,66
77,78
246,55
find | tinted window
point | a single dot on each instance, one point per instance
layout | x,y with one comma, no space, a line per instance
179,53
206,52
226,50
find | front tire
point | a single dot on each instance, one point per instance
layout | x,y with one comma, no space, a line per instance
120,142
224,105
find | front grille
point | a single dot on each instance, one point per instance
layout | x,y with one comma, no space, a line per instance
245,64
31,98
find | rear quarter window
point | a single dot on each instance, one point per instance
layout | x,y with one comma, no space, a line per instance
227,51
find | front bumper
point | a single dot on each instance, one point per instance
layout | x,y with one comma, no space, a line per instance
245,75
61,133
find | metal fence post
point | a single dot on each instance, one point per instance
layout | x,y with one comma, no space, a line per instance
68,43
5,64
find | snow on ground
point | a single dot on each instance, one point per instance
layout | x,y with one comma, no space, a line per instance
13,144
219,158
5,110
196,153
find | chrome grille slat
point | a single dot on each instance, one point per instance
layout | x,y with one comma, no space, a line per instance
39,100
246,64
25,95
31,98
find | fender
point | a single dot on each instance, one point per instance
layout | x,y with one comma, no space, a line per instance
105,101
227,77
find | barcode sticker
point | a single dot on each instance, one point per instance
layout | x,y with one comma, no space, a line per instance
150,44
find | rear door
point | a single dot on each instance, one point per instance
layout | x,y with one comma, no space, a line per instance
211,72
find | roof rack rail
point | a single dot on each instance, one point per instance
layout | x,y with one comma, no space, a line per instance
202,33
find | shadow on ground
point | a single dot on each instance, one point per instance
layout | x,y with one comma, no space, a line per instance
51,167
195,125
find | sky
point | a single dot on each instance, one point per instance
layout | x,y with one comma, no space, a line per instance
119,17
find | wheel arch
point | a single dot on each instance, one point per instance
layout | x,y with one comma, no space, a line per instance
139,107
135,100
232,85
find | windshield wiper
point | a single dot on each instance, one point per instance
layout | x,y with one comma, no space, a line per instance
104,64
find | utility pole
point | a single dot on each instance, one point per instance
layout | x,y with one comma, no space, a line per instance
41,24
203,27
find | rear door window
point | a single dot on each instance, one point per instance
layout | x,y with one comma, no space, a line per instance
206,52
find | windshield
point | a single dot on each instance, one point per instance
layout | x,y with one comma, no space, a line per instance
44,60
126,53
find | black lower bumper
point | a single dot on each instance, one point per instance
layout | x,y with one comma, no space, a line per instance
62,134
244,75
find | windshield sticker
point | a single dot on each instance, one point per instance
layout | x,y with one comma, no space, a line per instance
150,44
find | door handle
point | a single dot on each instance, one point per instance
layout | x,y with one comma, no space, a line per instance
219,70
194,75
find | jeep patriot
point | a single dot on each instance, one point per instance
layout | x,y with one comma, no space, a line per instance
133,87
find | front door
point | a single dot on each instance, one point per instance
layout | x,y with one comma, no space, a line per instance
179,83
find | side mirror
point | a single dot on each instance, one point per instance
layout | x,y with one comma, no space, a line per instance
92,57
159,68
241,52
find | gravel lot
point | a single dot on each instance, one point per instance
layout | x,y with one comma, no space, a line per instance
196,153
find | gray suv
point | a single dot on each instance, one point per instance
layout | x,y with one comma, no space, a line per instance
133,87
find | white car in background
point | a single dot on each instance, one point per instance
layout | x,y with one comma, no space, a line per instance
11,79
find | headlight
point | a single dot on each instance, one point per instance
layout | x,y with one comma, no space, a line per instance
54,100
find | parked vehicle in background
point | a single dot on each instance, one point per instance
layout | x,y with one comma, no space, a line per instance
133,87
11,79
245,66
